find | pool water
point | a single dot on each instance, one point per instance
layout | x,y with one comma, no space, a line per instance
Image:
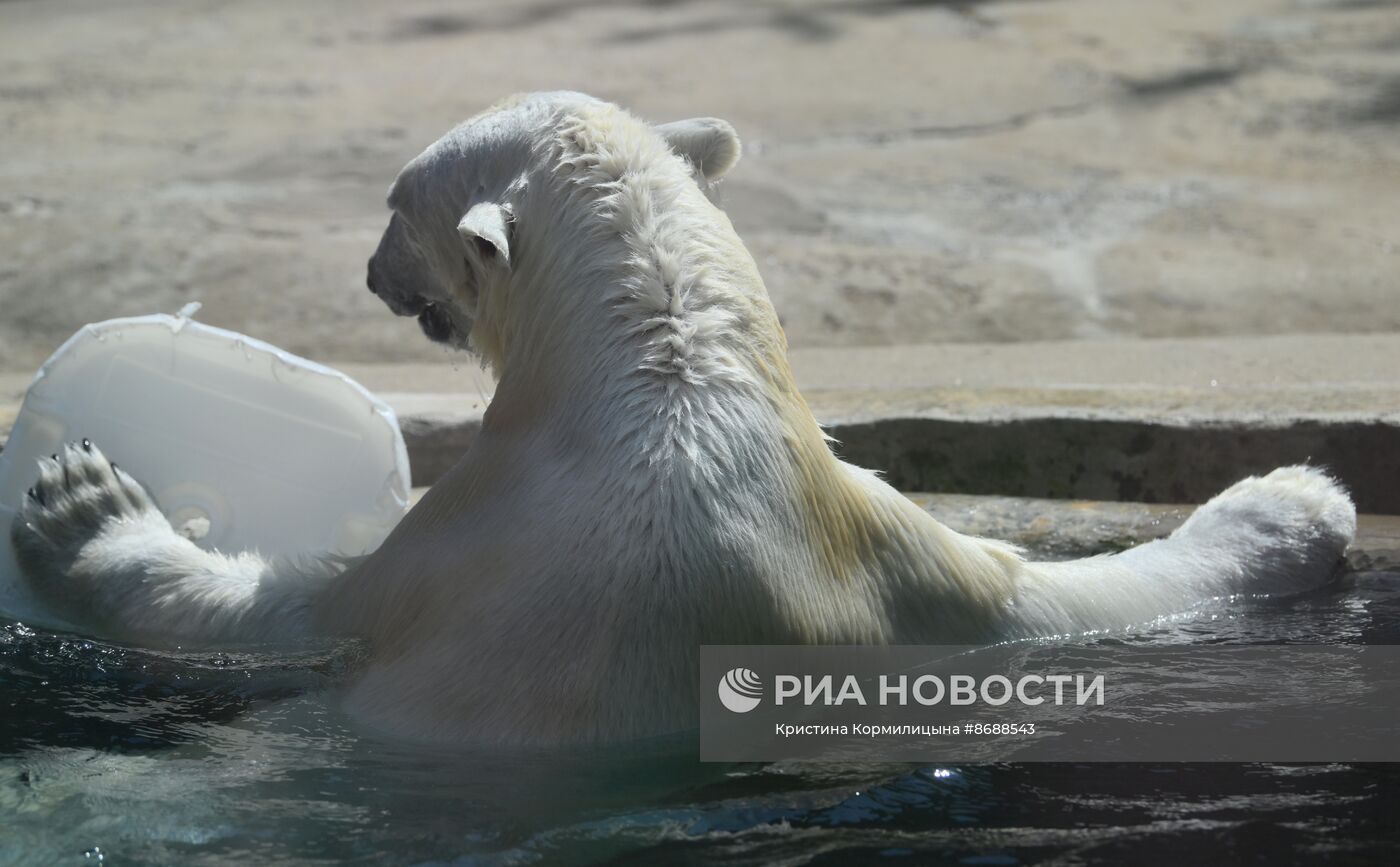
117,755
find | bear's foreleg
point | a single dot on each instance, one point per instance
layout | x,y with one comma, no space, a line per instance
93,544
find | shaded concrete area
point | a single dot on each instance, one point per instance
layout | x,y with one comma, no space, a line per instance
1130,461
917,172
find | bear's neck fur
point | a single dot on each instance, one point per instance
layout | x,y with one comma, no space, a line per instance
640,302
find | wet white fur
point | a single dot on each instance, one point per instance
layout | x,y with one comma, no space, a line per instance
647,478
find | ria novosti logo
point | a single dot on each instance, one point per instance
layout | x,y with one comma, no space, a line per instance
740,690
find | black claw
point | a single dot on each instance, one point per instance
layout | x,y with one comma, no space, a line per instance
36,496
53,457
114,466
87,445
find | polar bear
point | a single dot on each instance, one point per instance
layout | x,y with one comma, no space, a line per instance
647,478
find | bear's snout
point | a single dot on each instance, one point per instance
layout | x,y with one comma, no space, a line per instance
411,305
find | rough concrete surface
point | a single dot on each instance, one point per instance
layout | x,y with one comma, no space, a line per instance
1070,248
916,172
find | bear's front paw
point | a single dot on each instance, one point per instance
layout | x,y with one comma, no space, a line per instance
79,497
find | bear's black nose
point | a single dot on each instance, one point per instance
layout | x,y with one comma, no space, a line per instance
369,277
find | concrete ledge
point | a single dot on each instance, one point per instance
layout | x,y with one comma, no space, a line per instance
1156,421
1117,459
1065,452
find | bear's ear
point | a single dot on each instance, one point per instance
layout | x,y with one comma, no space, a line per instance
486,227
709,143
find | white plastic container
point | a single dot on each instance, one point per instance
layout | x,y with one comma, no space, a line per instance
276,453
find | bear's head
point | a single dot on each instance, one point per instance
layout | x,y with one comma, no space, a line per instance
451,241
